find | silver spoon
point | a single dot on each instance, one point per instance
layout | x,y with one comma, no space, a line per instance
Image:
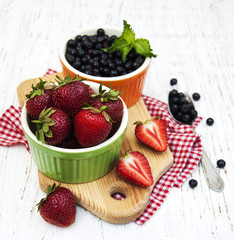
214,181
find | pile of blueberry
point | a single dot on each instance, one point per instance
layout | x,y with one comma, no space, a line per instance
182,109
85,54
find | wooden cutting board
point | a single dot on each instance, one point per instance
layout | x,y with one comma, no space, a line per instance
95,196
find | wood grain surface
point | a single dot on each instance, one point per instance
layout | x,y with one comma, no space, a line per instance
96,196
194,41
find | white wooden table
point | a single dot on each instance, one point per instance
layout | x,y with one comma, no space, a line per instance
194,41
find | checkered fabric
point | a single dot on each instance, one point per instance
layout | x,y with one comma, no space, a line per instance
185,146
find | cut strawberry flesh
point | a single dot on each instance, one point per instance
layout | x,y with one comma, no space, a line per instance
153,133
135,168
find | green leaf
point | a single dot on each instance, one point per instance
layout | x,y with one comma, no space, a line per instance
45,128
118,44
142,46
127,41
49,134
128,34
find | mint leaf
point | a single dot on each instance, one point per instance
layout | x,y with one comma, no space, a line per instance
118,44
128,33
142,46
127,41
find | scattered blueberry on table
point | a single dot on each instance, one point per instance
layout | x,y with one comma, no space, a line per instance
192,183
173,81
221,163
209,121
196,96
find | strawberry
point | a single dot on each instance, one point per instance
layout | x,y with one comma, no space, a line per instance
39,98
92,126
59,206
70,94
70,143
134,167
111,99
53,126
152,133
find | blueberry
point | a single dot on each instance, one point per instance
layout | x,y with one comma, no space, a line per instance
196,96
186,118
113,73
118,54
183,100
84,60
78,38
193,183
174,108
77,63
120,69
184,108
95,72
193,113
139,60
118,61
179,116
71,51
113,38
210,121
106,71
111,65
88,67
127,65
80,53
103,62
100,32
181,94
100,39
84,37
173,93
98,46
70,58
96,64
135,65
174,99
71,43
173,81
88,72
221,163
104,56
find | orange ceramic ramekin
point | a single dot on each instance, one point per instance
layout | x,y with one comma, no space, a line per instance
131,84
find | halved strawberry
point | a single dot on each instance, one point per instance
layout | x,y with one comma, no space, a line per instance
134,167
153,133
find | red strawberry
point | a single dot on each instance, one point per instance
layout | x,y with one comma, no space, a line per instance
53,126
92,126
70,143
153,133
111,99
70,94
135,168
59,206
39,98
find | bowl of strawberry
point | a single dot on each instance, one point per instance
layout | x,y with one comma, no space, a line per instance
74,128
108,55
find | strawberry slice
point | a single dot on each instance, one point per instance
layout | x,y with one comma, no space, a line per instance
134,167
153,133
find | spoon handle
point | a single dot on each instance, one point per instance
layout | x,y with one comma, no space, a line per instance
214,181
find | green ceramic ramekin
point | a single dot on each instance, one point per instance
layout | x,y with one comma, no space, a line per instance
76,165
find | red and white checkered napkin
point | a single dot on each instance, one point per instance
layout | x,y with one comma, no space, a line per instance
185,146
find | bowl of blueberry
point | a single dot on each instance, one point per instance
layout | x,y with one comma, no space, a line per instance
110,56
